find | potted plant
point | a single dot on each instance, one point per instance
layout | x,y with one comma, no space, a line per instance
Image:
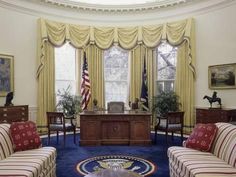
166,102
69,104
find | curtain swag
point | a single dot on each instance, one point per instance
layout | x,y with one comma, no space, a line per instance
127,37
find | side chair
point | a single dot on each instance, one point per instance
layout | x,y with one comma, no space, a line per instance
56,122
173,122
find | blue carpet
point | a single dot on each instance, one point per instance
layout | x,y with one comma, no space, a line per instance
69,156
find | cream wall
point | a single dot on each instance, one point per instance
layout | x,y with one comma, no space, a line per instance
18,36
215,44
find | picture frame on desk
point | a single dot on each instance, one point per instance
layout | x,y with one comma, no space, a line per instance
6,74
222,76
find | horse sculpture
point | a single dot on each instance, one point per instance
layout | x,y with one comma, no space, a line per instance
213,99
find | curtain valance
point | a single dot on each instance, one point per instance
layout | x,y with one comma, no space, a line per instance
127,37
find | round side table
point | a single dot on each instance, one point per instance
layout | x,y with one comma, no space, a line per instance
114,173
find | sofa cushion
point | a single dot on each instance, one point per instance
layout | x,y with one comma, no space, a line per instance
30,163
185,162
24,136
202,137
6,147
224,146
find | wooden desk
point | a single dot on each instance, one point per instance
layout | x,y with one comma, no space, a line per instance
101,128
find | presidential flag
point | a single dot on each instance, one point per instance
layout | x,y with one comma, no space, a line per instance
144,90
85,85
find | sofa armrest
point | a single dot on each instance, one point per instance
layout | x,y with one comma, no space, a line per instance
184,143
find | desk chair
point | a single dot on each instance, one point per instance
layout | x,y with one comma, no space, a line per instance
56,121
173,122
116,107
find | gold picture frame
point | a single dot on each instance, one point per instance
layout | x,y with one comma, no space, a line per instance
6,74
222,76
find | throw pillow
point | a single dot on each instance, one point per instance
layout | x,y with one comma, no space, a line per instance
202,137
24,136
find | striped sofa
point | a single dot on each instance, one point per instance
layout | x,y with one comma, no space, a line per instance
220,162
39,162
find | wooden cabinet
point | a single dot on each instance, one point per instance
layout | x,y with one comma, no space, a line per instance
13,113
98,128
206,115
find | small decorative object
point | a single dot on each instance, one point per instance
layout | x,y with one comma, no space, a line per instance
95,105
6,74
68,103
222,76
213,99
136,104
9,99
166,102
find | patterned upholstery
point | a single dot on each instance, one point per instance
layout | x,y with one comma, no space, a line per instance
202,137
24,136
38,162
221,161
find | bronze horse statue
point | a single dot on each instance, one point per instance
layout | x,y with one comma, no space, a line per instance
213,99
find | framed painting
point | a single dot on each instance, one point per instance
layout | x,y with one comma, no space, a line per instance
6,74
222,76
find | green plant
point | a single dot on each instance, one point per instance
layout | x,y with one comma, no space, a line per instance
68,103
166,102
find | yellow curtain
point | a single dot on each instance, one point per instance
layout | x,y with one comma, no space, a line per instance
151,70
96,75
184,86
136,68
46,85
128,38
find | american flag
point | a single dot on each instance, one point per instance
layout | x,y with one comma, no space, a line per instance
144,90
85,85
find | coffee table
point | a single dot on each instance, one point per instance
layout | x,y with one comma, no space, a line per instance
114,173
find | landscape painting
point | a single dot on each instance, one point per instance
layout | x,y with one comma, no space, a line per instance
6,74
222,76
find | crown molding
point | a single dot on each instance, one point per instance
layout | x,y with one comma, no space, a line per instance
116,8
72,15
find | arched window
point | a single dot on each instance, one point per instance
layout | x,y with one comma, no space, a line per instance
65,69
116,72
166,67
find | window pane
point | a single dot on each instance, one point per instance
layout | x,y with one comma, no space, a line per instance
116,74
165,86
166,63
166,67
65,68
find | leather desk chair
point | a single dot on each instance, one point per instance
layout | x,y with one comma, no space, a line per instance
116,107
